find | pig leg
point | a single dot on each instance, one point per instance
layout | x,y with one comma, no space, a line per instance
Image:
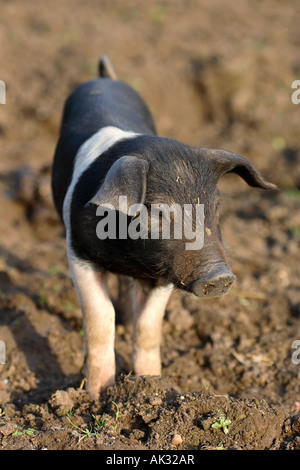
124,307
98,323
148,316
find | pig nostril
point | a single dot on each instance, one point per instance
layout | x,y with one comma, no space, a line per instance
207,288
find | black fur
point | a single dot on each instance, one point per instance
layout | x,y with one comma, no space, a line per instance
93,105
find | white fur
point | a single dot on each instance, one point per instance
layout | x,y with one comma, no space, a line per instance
87,153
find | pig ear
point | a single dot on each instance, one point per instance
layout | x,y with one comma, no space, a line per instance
226,162
126,177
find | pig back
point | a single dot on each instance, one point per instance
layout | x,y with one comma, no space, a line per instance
93,105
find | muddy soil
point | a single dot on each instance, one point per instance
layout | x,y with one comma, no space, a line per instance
215,74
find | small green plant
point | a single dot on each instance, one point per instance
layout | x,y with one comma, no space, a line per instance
117,414
53,271
57,287
222,423
28,431
68,306
4,259
117,410
90,431
99,423
158,14
292,192
42,298
295,231
70,412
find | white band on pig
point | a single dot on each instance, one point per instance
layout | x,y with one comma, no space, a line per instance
92,148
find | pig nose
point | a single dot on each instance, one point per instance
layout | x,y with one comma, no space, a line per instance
215,284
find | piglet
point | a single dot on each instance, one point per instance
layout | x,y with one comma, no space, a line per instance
110,167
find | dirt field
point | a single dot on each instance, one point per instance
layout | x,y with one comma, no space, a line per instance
215,74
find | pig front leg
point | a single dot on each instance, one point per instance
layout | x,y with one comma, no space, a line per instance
147,325
98,324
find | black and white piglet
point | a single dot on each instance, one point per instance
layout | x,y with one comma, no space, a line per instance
108,148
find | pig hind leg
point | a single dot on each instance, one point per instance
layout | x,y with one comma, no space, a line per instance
124,305
149,311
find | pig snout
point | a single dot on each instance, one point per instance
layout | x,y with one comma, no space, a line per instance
215,283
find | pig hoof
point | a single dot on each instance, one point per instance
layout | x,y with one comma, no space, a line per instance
147,362
95,390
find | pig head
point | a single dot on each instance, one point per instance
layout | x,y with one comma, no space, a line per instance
166,176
